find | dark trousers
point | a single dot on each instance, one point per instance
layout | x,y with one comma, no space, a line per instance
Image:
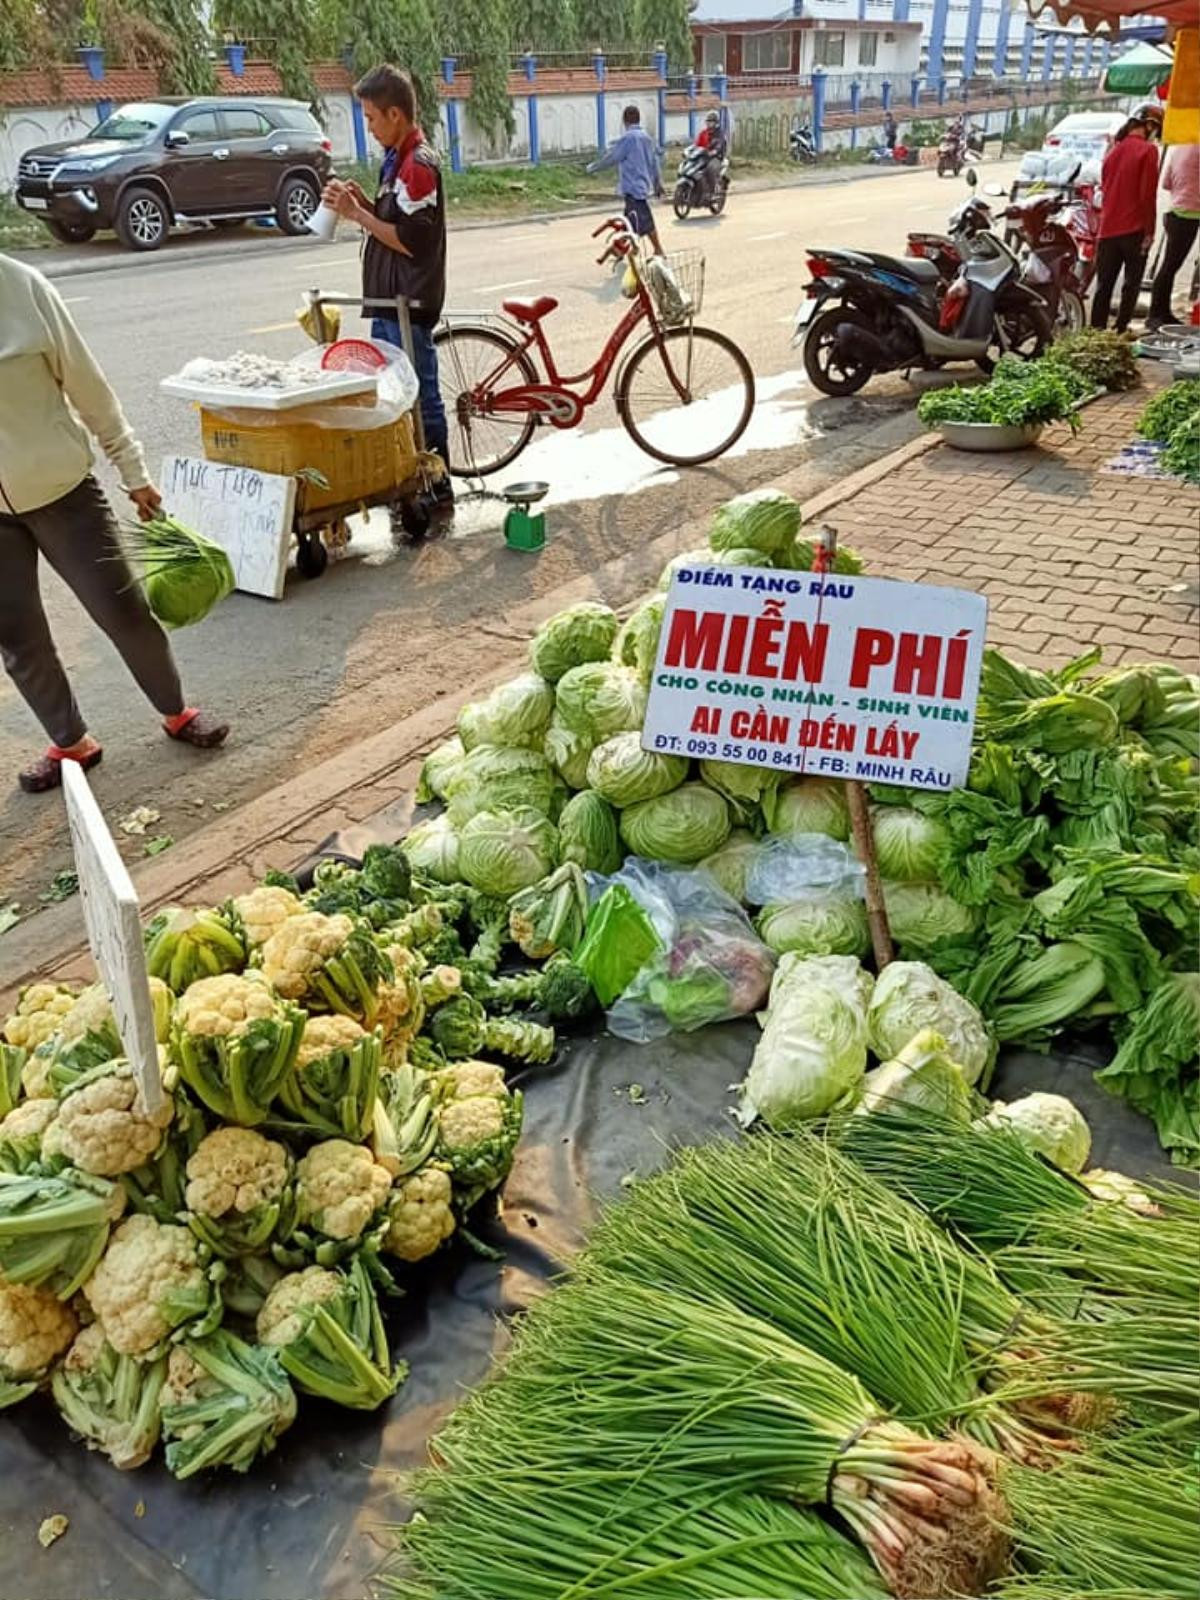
425,361
1180,236
78,537
1123,251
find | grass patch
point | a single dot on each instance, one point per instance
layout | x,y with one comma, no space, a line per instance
18,230
507,191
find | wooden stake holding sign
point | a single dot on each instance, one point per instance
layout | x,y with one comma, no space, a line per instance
112,916
824,551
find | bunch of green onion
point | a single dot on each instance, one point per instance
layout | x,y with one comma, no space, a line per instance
184,574
608,1375
611,1534
788,1229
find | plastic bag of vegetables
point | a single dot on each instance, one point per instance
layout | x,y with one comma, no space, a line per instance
813,1049
708,966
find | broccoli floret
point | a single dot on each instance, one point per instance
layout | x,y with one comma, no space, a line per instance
275,879
386,874
564,991
488,916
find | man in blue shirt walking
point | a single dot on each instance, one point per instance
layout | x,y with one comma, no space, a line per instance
638,176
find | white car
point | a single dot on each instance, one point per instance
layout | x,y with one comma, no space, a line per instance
1084,137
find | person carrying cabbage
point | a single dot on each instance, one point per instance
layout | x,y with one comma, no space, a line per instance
53,396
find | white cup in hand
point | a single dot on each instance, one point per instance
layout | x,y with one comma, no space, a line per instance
323,222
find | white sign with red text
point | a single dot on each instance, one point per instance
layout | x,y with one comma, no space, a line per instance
829,676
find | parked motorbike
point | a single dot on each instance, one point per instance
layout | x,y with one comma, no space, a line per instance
865,313
697,185
802,144
1050,261
959,146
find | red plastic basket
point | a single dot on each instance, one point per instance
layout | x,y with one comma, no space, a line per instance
353,355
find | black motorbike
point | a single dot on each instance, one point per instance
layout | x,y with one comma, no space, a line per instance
959,146
865,313
802,145
703,180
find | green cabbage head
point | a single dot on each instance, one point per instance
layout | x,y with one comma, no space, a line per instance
495,778
813,1048
503,851
636,644
685,825
600,698
924,1075
808,805
910,999
588,834
732,862
742,785
710,558
568,752
622,773
921,916
908,844
765,520
826,925
581,633
516,714
432,849
185,574
1050,1124
438,768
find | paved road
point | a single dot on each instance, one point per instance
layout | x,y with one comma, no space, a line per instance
384,631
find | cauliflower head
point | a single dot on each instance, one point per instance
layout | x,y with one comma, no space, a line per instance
470,1122
235,1170
339,1188
295,953
421,1216
265,910
29,1120
324,1034
401,1002
148,1282
111,1401
35,1329
464,1079
92,1012
41,1008
287,1310
186,1379
35,1074
104,1126
224,1007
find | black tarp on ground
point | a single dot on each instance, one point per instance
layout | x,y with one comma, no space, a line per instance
300,1525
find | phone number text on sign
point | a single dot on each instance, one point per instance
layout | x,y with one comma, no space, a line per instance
834,676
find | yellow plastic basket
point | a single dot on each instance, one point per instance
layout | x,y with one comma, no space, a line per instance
358,463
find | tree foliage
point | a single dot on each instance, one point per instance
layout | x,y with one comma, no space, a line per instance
546,26
287,29
665,21
404,32
479,31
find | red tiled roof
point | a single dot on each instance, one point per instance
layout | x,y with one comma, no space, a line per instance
72,85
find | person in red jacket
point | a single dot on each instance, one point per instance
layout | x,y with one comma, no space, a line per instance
1128,214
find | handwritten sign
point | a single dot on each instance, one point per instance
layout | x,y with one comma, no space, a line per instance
839,677
248,513
114,929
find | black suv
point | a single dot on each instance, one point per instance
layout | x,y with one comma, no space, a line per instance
158,162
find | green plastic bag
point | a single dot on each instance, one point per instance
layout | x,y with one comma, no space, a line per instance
618,941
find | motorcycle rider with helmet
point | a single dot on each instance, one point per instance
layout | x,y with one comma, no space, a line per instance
711,139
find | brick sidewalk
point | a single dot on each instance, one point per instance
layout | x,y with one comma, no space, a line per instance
1068,555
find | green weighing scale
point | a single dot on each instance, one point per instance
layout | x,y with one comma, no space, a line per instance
524,528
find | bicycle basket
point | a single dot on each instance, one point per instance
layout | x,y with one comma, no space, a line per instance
677,283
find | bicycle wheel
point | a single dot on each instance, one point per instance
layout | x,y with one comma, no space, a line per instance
471,360
714,409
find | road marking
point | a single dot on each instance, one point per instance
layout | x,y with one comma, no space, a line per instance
75,299
275,327
761,238
495,288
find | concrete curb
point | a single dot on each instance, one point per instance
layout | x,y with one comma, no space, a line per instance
295,815
247,249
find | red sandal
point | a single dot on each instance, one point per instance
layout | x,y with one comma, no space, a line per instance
46,772
196,728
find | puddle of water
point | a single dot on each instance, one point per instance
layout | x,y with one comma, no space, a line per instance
590,466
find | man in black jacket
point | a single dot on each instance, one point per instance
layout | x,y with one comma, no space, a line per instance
404,249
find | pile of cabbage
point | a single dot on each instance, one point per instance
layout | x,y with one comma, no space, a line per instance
549,767
827,1016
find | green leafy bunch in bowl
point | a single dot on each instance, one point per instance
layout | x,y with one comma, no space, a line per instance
1020,394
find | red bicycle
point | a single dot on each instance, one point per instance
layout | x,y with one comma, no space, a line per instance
496,395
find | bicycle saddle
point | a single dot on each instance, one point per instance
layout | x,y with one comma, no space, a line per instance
531,310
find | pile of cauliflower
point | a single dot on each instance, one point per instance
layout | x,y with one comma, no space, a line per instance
235,1236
